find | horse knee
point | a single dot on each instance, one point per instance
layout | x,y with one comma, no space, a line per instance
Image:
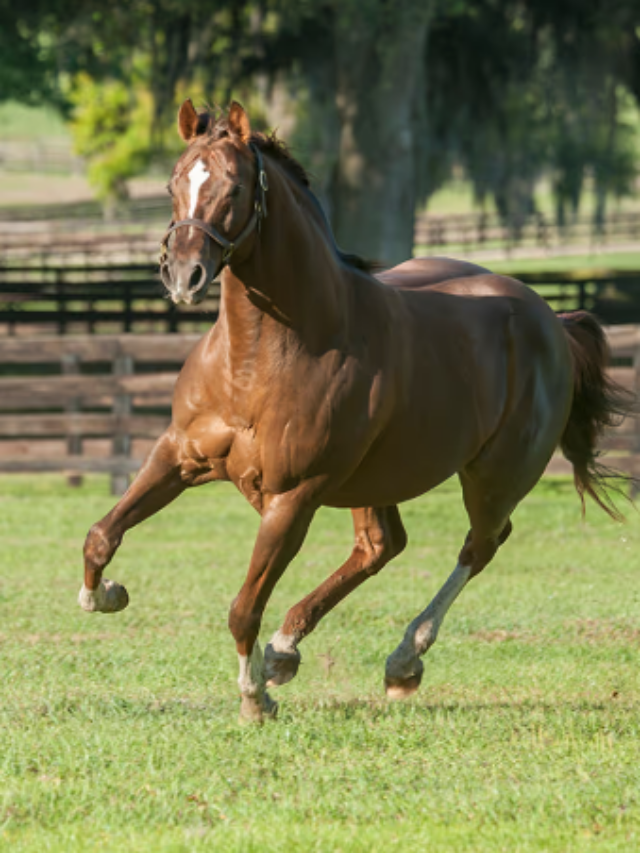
244,626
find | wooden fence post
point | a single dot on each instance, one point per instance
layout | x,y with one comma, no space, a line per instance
70,363
122,408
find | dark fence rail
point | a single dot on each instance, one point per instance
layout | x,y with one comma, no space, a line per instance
87,298
106,298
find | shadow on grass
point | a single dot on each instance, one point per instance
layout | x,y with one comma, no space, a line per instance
296,708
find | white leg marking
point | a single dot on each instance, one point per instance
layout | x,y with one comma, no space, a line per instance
251,678
404,663
197,177
92,600
284,643
109,597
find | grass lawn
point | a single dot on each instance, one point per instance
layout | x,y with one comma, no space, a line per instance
119,733
568,263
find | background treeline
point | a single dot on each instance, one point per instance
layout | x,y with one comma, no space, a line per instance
383,100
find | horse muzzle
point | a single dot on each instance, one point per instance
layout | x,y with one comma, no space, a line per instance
186,281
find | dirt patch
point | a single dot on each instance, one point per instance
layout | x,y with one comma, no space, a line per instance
601,631
498,635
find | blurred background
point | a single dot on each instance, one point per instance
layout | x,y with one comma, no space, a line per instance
497,131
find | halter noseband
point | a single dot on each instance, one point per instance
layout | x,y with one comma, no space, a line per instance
228,246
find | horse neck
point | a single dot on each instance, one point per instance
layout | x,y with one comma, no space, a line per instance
291,283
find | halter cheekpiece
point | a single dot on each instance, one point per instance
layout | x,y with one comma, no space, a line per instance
228,246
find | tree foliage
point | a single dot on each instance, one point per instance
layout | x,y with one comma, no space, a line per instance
384,98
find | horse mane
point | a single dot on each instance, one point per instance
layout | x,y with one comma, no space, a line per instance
274,147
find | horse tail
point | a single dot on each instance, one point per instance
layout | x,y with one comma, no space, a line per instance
598,402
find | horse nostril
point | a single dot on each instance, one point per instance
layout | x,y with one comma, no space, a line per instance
197,277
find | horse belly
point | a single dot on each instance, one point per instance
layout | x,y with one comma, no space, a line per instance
408,462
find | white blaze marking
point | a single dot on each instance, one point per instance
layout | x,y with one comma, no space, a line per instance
197,177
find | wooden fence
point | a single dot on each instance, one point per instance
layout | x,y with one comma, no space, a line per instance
114,297
433,232
470,232
86,403
74,298
76,404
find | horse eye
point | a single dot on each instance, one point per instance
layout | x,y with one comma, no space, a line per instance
169,190
236,190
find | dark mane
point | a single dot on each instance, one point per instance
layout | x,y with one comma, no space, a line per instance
277,149
272,146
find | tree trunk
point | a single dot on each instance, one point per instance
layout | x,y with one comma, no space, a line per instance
380,50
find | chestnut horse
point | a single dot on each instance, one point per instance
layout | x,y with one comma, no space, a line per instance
322,384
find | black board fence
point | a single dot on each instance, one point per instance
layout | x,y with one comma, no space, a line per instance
110,298
115,298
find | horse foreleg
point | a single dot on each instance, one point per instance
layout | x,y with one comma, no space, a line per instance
404,667
157,484
285,521
379,537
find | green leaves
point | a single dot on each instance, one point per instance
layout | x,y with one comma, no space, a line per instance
111,127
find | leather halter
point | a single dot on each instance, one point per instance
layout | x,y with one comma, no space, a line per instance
228,246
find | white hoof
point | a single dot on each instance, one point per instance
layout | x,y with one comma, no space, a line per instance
109,597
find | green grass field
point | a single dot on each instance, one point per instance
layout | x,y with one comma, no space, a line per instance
577,264
120,733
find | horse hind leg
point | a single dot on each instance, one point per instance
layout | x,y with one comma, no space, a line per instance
493,484
379,537
489,530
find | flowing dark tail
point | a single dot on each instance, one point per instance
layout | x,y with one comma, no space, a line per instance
598,402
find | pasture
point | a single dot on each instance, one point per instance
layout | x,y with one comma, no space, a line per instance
119,733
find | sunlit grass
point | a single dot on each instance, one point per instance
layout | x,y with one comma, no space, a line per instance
119,732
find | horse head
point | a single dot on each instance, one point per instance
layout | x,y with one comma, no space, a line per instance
218,188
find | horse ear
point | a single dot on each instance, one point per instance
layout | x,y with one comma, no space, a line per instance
190,122
238,121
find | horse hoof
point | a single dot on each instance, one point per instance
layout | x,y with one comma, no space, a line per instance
402,689
280,667
254,710
401,686
269,707
109,597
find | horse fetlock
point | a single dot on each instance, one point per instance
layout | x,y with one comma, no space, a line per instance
425,636
99,548
109,597
257,709
280,667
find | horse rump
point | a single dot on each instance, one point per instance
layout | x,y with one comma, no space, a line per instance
598,402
